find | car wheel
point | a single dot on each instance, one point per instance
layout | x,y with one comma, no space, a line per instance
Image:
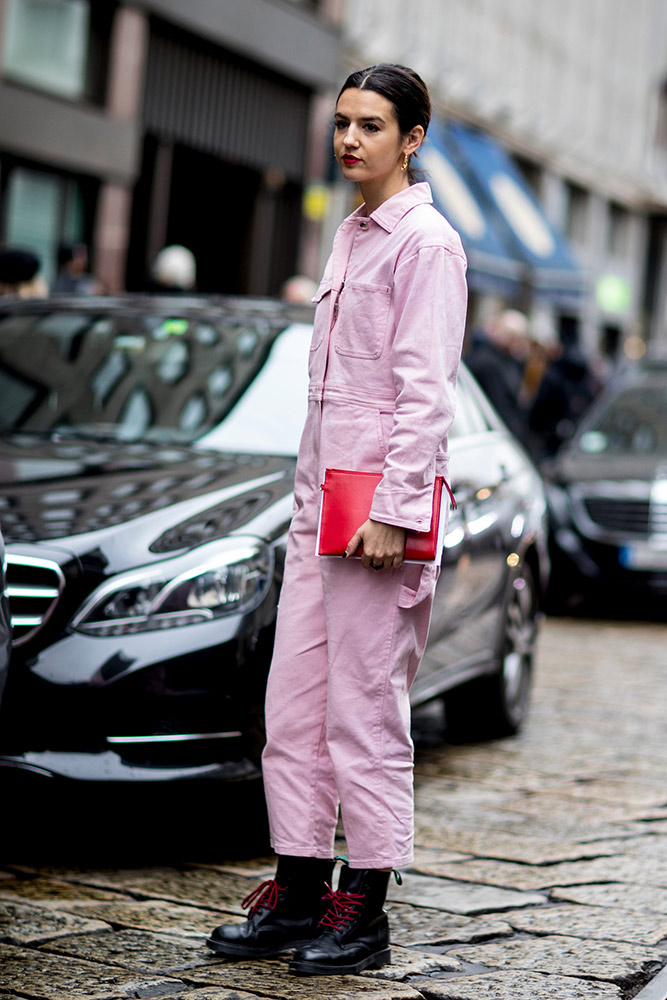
495,705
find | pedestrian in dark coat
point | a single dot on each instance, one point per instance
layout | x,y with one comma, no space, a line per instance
497,359
567,389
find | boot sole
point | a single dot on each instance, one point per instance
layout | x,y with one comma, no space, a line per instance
236,952
304,968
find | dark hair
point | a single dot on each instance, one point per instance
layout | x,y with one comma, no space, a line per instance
67,252
406,91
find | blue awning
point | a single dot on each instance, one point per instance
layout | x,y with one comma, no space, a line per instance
501,189
494,266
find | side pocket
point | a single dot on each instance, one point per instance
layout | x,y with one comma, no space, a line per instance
385,423
418,582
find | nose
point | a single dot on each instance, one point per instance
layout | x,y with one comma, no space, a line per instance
350,137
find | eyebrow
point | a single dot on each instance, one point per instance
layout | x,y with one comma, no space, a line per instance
369,118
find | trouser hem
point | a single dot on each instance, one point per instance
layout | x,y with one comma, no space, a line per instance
403,862
290,850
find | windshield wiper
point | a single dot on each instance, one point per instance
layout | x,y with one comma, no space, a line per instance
65,432
6,433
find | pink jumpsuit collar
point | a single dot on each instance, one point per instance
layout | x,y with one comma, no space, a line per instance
391,211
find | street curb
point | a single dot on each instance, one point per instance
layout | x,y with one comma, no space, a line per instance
656,989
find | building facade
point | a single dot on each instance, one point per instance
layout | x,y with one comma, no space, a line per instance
576,95
132,125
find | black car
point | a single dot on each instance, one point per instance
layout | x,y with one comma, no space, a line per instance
147,455
5,621
607,497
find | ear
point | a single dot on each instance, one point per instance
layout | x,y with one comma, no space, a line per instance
413,140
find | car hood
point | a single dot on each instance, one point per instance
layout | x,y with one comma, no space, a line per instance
570,467
136,502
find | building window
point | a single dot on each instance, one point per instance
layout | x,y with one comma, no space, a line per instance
46,44
58,45
619,231
42,210
661,119
576,224
532,173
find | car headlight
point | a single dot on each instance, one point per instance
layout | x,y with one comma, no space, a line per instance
231,576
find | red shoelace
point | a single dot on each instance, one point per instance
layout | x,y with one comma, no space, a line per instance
343,908
264,897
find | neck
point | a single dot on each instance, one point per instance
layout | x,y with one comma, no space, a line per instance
375,194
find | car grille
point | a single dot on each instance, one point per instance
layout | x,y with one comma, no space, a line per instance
625,516
618,511
34,587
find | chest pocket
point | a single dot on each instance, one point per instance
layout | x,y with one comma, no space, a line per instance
361,328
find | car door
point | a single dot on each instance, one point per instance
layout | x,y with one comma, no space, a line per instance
474,567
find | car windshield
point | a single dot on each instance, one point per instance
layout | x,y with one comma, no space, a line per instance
235,382
634,422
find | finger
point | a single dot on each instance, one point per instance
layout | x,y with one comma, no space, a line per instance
353,545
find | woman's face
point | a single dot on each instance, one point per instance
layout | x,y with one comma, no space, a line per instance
367,141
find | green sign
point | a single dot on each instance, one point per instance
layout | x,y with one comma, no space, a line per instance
613,294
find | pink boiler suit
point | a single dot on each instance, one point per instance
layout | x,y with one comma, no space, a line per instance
384,358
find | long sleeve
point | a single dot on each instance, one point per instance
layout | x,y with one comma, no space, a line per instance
430,299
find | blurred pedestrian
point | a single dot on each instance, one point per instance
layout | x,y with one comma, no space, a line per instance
543,346
497,359
350,633
298,289
174,271
73,277
567,389
19,273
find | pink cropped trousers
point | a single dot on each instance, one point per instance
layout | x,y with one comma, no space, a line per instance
348,645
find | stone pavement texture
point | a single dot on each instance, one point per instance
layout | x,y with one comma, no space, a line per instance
540,868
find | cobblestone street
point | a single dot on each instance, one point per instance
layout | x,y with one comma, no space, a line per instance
540,868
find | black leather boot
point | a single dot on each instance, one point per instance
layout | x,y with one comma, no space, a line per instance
284,912
354,932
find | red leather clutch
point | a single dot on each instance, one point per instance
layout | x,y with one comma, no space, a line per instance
347,497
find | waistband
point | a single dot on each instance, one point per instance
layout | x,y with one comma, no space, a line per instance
320,391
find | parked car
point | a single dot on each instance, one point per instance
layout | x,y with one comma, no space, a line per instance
147,455
5,621
607,496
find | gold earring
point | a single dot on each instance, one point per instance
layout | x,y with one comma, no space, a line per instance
405,162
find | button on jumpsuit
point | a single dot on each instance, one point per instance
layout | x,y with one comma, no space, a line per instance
384,357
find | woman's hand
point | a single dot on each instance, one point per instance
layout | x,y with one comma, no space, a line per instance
384,545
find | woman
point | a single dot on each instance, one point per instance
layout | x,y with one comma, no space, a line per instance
384,357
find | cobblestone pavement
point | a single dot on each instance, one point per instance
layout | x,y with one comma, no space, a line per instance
540,870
